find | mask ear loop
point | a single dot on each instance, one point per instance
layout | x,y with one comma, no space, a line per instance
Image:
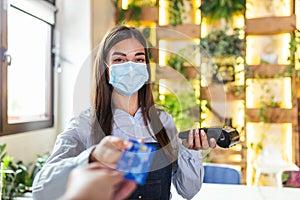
107,70
105,63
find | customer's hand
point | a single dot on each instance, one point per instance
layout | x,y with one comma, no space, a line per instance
109,151
96,182
198,141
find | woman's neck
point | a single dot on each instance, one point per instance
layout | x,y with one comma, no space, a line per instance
128,104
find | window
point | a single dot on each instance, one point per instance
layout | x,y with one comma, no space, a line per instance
26,69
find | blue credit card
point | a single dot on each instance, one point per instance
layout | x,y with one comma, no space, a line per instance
136,161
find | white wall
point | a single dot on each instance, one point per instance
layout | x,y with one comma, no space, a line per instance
73,28
81,27
102,15
27,146
81,24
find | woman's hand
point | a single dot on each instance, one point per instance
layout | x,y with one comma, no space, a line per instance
199,141
109,151
96,181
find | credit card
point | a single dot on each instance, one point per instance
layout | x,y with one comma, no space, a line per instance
136,161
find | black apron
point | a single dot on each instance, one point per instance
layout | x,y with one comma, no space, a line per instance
158,182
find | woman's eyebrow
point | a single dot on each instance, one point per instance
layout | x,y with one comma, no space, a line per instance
140,53
123,54
119,53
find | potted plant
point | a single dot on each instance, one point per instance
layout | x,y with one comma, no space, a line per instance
182,107
17,178
184,61
224,47
215,10
176,61
221,43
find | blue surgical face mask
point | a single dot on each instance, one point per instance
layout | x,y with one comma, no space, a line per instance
127,78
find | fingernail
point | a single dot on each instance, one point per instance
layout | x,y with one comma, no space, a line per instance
117,173
141,140
127,143
202,133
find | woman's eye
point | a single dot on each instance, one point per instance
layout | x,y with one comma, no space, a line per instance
118,60
140,60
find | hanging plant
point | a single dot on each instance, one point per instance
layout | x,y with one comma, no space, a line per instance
293,47
220,43
176,10
176,61
215,10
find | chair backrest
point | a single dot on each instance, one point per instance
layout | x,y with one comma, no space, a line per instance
222,174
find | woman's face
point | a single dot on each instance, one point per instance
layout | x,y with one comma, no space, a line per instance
125,51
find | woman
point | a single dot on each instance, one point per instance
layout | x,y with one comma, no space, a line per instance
123,106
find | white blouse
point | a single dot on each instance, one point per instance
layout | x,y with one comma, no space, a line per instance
74,145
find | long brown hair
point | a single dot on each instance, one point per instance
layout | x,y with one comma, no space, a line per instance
101,106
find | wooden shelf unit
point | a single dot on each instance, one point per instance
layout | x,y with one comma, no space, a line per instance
274,115
268,70
270,26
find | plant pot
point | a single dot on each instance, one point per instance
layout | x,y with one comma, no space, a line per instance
226,69
191,72
225,74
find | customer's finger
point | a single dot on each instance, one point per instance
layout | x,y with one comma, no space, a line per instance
117,143
124,189
109,150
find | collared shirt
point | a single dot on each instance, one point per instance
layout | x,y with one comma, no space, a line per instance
74,145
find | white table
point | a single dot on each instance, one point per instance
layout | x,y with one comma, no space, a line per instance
232,192
242,192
